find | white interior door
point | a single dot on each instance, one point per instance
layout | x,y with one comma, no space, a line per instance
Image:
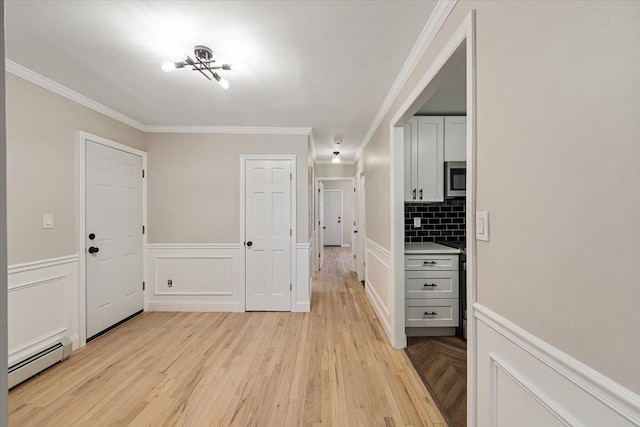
354,229
268,235
321,227
114,261
361,227
333,217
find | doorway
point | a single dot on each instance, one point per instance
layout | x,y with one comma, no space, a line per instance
112,234
268,230
459,50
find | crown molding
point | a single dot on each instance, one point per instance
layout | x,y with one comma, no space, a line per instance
239,130
313,145
431,28
46,83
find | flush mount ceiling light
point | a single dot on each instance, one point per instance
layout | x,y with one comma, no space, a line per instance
336,157
337,139
204,63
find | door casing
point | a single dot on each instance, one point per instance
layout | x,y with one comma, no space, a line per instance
82,138
243,161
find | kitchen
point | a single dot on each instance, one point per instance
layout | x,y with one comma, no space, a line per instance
435,244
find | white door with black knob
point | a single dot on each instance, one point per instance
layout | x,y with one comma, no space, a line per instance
333,217
268,235
113,244
321,227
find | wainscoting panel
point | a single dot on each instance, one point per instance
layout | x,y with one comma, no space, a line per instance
524,381
42,305
378,282
191,277
303,273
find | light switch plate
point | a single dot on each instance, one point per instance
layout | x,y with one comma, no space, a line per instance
482,226
47,220
416,221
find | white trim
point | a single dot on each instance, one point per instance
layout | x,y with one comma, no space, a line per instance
334,178
378,247
45,263
46,83
59,89
341,215
294,209
194,246
615,396
194,306
303,245
431,28
382,311
82,282
464,35
240,130
347,245
312,140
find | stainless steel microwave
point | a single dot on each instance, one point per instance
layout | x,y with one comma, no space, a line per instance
455,179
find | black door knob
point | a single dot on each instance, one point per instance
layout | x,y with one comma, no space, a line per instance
92,236
249,243
93,250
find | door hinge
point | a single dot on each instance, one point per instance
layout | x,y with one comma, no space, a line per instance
318,191
290,232
354,190
143,173
354,256
290,286
143,286
318,255
291,177
143,229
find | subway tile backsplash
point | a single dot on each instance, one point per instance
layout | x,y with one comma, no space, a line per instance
441,221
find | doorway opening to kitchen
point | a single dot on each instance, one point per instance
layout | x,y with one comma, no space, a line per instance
433,226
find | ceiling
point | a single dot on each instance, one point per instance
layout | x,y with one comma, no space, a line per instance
451,97
321,64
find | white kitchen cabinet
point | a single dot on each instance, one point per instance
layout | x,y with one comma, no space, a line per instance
424,154
455,139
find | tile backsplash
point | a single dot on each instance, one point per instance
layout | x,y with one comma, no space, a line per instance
443,221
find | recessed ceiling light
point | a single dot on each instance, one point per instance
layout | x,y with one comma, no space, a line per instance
203,63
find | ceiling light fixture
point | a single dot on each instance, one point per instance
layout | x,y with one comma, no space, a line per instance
336,157
337,139
203,63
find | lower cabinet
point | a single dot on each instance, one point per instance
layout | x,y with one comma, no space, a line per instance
432,293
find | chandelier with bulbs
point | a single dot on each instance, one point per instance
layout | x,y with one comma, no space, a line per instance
203,63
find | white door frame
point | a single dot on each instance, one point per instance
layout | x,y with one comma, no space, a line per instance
341,213
461,46
83,137
243,195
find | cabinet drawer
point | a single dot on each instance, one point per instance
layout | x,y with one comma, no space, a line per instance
431,262
431,312
431,284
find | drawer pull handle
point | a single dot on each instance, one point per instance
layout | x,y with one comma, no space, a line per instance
433,285
429,263
433,313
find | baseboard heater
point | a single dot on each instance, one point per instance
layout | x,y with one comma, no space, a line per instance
38,362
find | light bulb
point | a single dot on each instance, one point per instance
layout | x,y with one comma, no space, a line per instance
336,159
224,83
168,66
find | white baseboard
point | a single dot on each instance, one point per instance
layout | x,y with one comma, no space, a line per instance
346,246
42,305
521,377
303,273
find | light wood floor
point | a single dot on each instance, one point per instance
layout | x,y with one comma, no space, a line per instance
331,367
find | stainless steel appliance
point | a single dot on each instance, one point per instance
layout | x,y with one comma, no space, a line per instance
455,179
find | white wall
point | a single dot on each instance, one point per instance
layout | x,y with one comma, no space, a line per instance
3,238
333,170
347,206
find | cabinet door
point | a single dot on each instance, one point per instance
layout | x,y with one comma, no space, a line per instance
411,160
431,159
455,139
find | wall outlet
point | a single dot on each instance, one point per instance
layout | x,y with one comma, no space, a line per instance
416,221
47,220
482,226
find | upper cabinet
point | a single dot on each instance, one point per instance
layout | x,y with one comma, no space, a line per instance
455,139
429,141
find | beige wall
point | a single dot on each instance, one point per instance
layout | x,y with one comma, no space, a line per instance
347,206
557,133
335,170
42,167
194,184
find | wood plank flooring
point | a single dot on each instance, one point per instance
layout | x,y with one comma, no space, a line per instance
442,361
331,367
